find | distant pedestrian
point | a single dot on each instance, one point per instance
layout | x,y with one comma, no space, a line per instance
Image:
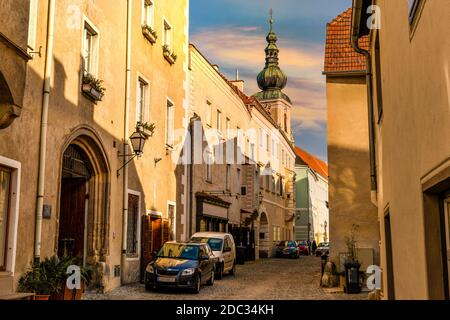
309,246
314,247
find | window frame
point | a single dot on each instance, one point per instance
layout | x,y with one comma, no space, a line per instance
88,26
148,11
167,32
145,107
4,263
219,121
170,124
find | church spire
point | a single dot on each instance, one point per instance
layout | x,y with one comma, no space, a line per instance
271,80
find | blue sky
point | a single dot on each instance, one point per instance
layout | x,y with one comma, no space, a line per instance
231,33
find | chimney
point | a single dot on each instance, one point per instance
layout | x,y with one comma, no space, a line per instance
239,84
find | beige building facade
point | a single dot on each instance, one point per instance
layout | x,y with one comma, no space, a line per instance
411,112
64,189
350,202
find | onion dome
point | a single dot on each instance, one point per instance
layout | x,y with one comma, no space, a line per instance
271,80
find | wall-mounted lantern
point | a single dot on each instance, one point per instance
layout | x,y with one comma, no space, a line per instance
137,139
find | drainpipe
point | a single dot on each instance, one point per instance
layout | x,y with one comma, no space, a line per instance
43,130
125,133
193,120
357,13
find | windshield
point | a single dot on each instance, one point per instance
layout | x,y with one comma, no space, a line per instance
215,244
179,251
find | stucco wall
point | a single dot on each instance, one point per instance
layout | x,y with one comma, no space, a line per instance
348,156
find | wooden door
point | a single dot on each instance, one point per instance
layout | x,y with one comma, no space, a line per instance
156,234
72,217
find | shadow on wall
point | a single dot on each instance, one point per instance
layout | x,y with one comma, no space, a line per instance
350,202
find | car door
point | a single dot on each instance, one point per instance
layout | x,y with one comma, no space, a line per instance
203,263
227,254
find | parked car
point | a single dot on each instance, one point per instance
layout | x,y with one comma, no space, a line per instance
181,265
287,249
303,247
324,247
223,247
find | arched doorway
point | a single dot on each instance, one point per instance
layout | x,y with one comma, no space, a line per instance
264,236
83,214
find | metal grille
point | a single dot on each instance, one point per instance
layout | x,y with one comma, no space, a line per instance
75,163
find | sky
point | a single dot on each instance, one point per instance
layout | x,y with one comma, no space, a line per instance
231,34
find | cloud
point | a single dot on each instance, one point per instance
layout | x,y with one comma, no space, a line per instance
237,47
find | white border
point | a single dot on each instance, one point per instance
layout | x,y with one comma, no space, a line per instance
138,235
14,211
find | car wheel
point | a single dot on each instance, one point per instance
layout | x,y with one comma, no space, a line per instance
233,269
220,272
197,285
211,280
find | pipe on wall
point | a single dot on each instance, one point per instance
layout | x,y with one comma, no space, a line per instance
43,129
125,133
358,6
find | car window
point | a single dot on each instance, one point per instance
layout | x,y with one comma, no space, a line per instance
226,244
214,243
181,251
292,244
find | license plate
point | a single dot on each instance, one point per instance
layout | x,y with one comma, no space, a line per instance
166,279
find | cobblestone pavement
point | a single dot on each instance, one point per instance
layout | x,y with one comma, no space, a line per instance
269,279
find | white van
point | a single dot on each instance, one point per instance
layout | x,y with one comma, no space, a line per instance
223,247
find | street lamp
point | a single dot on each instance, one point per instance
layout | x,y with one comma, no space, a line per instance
137,140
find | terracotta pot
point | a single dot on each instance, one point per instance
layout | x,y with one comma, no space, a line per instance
42,297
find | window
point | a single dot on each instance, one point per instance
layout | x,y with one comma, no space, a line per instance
170,111
282,156
90,49
168,35
267,143
228,128
142,101
239,178
219,121
209,113
132,224
209,163
268,183
239,137
413,5
273,186
261,137
378,78
227,177
148,13
281,186
273,147
32,24
285,122
252,151
5,195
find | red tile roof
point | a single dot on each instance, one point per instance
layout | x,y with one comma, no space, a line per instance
339,54
314,163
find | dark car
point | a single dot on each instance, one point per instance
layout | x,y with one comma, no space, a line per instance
287,249
181,265
303,247
323,248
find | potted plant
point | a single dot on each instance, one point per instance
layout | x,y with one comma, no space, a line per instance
39,280
149,33
148,129
351,264
171,57
93,87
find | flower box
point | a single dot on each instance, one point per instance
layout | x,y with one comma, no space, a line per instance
149,33
169,56
91,92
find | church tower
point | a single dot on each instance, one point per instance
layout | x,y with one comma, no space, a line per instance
272,80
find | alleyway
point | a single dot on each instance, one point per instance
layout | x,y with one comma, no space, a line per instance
273,279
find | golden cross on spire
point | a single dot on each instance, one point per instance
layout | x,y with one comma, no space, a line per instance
271,17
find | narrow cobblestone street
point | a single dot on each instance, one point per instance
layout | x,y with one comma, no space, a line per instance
272,279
